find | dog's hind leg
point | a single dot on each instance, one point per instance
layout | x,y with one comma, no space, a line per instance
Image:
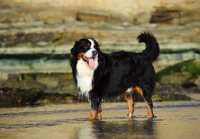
149,104
147,98
130,103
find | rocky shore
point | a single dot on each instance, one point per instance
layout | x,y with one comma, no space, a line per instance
177,82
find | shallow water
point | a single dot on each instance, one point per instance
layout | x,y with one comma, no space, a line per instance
173,120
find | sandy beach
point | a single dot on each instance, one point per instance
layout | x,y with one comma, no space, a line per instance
176,120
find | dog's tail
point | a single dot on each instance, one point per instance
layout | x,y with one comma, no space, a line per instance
152,49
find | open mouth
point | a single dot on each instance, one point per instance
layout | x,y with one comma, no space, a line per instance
89,61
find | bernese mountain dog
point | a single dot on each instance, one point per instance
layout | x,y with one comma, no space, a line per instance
101,76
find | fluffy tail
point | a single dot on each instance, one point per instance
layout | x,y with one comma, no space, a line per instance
152,49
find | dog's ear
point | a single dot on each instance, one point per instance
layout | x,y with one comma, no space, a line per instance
72,51
73,48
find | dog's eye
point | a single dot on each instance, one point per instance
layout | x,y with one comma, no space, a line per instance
87,46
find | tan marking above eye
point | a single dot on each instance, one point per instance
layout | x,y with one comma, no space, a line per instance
88,44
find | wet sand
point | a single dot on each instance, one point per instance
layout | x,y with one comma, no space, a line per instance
69,121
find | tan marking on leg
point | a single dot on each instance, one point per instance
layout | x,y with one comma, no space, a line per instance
149,111
140,91
99,113
93,115
130,103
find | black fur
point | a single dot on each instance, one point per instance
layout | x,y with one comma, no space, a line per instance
118,71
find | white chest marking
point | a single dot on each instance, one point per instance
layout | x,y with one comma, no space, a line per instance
129,90
84,77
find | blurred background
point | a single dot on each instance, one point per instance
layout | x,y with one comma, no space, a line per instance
36,38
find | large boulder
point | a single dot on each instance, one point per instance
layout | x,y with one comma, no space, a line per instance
184,73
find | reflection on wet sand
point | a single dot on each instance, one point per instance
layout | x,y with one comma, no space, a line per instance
127,128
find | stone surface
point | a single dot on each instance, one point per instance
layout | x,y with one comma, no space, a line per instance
177,43
142,18
14,97
197,81
51,12
128,8
184,74
175,15
90,15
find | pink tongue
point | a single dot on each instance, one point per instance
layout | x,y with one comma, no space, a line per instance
91,63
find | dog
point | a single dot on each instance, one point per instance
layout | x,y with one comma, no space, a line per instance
101,76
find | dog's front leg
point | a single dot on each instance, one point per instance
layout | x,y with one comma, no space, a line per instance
95,111
99,113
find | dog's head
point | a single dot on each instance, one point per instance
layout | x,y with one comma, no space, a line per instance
86,50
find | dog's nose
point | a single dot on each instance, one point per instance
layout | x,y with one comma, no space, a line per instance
94,53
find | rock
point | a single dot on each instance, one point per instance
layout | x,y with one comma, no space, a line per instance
47,82
175,15
183,73
165,15
188,17
175,78
16,97
169,97
142,18
7,16
100,16
69,20
42,43
13,97
91,16
3,76
197,81
50,16
22,83
29,18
